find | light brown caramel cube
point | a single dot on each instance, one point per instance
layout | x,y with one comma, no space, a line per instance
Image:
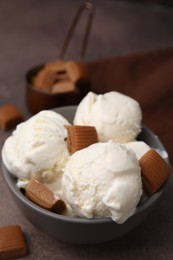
155,171
80,137
43,197
12,242
9,116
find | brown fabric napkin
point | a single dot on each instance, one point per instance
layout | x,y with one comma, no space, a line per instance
147,77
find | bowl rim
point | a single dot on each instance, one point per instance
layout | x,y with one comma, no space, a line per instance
10,180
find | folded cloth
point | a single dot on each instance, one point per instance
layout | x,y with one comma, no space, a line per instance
147,77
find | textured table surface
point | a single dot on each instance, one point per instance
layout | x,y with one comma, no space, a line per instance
32,32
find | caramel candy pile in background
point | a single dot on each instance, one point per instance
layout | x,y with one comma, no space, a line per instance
60,77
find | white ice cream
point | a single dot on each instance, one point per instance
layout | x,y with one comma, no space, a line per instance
37,150
139,147
103,180
116,116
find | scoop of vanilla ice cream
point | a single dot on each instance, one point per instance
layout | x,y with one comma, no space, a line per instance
103,180
116,116
139,147
37,150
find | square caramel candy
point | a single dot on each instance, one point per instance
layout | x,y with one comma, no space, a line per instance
154,170
79,137
9,116
12,242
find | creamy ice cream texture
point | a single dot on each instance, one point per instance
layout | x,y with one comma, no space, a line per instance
103,180
37,150
116,116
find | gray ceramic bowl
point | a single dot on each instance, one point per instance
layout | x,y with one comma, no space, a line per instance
80,230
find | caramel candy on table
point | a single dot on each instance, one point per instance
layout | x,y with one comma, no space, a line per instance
43,197
80,137
9,116
155,171
12,242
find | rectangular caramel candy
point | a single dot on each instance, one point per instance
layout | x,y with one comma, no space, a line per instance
80,137
154,170
43,197
9,116
12,242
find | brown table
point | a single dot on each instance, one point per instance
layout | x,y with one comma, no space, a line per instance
130,50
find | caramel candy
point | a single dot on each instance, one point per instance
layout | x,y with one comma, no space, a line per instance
155,171
12,242
80,137
76,71
61,77
50,74
64,86
45,80
43,197
9,116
